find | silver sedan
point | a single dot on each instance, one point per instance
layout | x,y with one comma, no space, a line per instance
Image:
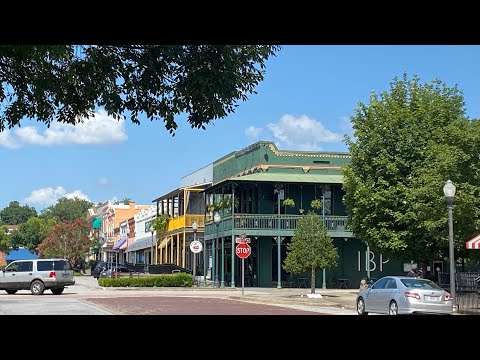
396,295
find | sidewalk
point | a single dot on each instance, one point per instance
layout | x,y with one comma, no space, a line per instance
341,298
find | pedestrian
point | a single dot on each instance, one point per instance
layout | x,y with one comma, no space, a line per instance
414,272
363,284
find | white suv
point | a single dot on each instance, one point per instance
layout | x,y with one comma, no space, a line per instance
37,276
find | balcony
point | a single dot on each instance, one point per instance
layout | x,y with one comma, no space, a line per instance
185,221
266,225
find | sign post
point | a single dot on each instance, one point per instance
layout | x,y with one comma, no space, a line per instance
195,247
243,251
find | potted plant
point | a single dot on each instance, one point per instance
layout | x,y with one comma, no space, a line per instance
289,202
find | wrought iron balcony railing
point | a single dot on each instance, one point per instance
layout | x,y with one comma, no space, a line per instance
263,224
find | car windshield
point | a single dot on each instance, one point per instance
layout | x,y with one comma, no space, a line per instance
420,284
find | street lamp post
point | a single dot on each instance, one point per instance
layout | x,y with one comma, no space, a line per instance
324,275
152,230
98,244
216,220
194,228
204,261
449,191
222,281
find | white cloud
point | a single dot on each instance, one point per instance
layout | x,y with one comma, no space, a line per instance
102,181
46,197
253,132
302,133
97,130
7,141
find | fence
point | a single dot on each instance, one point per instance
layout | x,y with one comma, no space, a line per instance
467,290
157,269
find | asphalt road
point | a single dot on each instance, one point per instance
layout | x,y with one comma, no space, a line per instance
87,298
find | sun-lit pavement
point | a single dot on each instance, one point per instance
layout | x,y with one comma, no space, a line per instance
333,301
166,305
88,298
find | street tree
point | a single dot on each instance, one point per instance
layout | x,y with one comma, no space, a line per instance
4,240
67,83
125,201
14,214
31,233
407,142
311,248
70,240
68,209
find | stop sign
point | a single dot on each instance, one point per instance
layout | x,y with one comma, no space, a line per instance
243,250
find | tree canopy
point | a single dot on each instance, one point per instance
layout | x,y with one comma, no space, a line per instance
31,233
14,214
125,201
4,240
70,240
67,83
67,209
311,248
407,143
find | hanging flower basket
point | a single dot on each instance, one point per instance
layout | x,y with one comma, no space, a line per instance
289,202
316,204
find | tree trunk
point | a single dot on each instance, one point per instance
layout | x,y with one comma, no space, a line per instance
312,287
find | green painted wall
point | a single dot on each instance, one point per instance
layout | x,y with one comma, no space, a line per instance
338,206
264,262
352,264
265,195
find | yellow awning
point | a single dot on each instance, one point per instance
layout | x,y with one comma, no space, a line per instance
164,242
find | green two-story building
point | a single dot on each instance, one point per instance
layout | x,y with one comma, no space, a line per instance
247,196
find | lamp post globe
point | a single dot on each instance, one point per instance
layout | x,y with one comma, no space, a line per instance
449,190
216,219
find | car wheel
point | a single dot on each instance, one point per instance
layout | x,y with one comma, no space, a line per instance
393,308
37,287
11,292
361,307
57,291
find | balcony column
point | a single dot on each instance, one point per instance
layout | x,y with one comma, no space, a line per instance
280,196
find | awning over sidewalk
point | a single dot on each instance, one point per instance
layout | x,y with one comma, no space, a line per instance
164,242
140,244
474,243
119,243
124,246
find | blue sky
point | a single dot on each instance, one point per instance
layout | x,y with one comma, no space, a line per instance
304,103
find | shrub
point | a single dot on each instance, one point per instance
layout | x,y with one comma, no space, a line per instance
164,280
